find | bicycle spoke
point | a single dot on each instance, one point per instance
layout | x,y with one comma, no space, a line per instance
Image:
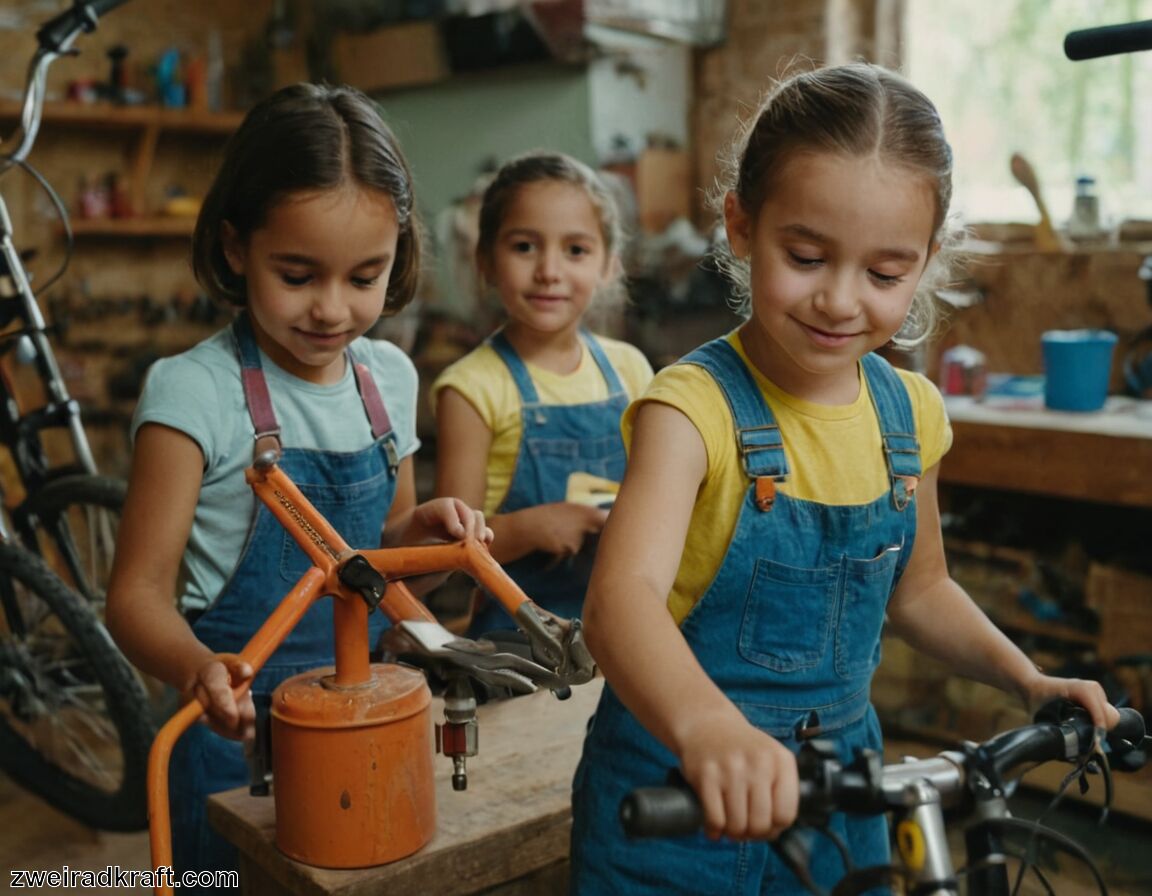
53,702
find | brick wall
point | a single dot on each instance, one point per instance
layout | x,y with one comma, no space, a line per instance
764,39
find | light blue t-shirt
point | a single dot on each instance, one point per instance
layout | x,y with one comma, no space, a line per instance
199,393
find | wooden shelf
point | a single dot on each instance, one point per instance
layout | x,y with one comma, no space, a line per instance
106,115
141,228
1018,621
145,124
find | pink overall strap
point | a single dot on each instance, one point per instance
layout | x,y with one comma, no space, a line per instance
373,401
378,417
267,437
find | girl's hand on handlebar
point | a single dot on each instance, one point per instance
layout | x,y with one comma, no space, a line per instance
1088,694
746,780
223,712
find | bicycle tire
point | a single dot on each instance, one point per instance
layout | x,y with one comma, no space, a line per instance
75,728
72,521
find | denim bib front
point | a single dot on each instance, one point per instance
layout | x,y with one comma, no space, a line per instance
556,441
789,629
354,491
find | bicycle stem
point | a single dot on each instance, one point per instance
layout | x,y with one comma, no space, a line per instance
922,841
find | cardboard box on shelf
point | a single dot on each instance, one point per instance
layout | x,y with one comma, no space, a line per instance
402,55
663,188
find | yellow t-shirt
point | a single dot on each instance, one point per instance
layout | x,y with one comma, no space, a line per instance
484,380
834,456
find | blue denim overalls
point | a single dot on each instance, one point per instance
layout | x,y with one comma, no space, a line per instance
789,629
354,491
557,440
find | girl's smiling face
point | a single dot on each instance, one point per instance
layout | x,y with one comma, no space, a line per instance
548,257
836,251
316,274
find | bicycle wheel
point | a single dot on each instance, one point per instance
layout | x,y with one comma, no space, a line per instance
73,520
75,726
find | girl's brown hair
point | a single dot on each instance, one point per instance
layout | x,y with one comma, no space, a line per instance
538,166
303,138
856,109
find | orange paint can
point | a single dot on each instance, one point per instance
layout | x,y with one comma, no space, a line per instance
352,767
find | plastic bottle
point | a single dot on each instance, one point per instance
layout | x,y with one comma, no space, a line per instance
1085,220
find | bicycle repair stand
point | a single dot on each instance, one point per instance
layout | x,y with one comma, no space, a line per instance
352,744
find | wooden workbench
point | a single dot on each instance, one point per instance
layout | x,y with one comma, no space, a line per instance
507,833
1104,456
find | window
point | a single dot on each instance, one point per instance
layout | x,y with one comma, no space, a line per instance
997,71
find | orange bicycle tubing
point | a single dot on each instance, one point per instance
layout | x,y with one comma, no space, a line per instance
312,532
327,550
255,653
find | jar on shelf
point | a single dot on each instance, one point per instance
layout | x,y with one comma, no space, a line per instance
1085,220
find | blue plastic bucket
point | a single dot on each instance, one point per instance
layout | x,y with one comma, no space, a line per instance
1077,368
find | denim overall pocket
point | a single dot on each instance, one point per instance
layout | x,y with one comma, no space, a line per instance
787,616
553,460
860,612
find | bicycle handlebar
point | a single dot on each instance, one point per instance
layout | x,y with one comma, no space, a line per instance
55,38
1061,731
57,34
1108,40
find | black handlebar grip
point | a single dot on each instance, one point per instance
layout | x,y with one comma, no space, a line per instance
1130,728
661,812
1129,742
102,6
57,33
1091,43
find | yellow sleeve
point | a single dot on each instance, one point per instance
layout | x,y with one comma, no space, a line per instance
482,380
696,394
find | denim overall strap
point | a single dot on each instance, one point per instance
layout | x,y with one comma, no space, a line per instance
516,367
556,441
596,350
267,429
789,629
758,437
897,428
260,401
519,370
374,407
